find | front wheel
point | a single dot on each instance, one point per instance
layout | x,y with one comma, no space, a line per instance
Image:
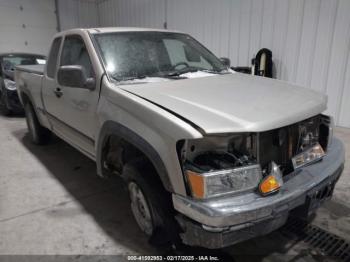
141,209
150,203
39,134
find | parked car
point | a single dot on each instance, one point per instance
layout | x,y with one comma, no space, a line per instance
8,95
209,156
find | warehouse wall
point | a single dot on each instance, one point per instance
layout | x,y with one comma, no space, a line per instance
77,13
27,25
310,39
145,13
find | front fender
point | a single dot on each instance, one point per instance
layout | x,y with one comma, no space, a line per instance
112,128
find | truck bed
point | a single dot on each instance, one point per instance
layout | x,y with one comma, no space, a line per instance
29,81
36,69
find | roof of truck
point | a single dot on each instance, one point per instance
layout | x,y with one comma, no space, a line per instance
126,29
116,29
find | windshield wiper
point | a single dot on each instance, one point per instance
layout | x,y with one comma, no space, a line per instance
127,78
175,74
219,72
178,73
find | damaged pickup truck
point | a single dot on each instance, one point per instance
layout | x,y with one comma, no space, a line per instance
210,157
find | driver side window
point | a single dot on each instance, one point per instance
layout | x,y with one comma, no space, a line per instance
74,52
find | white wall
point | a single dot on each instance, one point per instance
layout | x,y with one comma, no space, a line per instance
27,25
310,39
145,13
77,13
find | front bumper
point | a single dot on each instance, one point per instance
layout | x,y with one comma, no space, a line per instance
224,221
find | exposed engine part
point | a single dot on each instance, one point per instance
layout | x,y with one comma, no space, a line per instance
219,152
213,160
279,145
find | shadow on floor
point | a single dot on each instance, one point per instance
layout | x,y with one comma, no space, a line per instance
107,202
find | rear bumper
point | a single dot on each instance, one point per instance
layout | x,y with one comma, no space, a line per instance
221,222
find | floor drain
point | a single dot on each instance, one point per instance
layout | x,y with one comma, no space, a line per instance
327,243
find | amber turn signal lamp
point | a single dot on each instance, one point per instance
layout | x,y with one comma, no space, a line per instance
196,182
269,185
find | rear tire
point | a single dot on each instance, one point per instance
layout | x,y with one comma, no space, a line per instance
150,203
39,134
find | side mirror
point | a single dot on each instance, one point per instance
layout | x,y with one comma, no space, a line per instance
226,61
74,76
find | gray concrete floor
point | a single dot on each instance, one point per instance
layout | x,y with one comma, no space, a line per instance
52,202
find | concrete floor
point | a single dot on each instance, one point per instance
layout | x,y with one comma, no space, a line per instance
52,202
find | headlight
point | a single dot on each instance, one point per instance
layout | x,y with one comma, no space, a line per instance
217,183
220,164
9,84
309,156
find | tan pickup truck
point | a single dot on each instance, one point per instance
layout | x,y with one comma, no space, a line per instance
211,157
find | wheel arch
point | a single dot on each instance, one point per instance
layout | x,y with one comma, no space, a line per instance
114,129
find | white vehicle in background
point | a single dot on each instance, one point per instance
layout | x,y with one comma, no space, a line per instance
210,156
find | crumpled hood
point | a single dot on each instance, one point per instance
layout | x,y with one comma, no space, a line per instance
233,102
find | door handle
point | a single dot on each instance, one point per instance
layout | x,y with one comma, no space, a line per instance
58,92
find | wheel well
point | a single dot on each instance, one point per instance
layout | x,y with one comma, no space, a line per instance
118,145
117,152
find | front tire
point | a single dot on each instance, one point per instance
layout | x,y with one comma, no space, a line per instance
38,134
150,203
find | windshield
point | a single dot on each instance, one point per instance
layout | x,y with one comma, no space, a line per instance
10,62
132,55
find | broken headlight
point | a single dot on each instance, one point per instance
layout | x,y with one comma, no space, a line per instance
317,129
219,165
315,136
308,156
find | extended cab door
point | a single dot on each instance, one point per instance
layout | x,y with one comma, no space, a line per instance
72,109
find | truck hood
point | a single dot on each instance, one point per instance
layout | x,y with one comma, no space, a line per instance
233,102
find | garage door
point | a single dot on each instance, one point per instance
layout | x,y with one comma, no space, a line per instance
27,25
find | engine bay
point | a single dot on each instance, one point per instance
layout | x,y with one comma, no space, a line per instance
280,145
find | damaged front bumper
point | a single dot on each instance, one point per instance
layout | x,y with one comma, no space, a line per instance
225,221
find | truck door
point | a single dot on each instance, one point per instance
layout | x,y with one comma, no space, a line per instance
72,110
49,83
